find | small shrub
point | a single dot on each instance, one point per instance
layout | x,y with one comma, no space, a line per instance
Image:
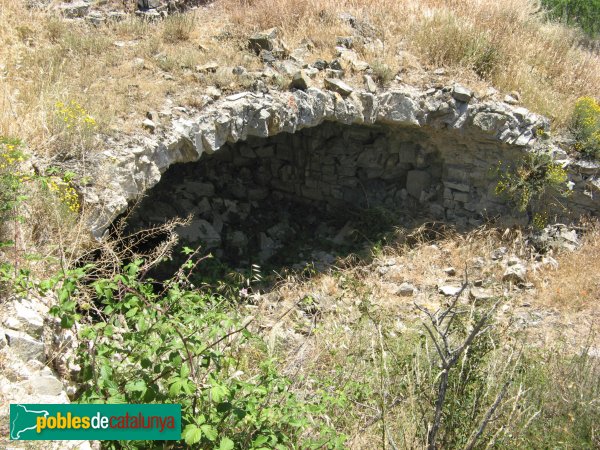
586,127
531,182
55,29
382,73
178,28
25,33
482,56
11,156
564,390
582,13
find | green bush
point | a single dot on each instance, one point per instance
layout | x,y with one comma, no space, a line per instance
562,391
586,127
530,185
582,13
177,344
382,73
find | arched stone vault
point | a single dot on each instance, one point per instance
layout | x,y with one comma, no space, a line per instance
436,147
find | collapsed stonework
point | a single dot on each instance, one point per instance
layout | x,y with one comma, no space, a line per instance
405,148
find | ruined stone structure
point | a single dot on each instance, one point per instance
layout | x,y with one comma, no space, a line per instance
431,153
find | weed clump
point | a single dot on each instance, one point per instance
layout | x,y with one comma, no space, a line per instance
586,127
178,28
74,127
530,183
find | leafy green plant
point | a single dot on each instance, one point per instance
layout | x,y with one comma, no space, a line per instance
563,391
15,183
181,345
535,179
582,13
586,127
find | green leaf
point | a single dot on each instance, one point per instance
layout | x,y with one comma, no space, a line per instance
226,444
192,434
184,372
260,440
176,387
209,431
218,392
67,321
188,386
132,312
145,363
136,386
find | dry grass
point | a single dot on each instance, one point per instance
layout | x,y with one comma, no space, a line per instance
329,326
335,300
46,60
116,72
507,43
575,284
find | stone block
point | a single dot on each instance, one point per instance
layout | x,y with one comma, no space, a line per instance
24,346
43,385
417,181
74,10
200,230
32,322
199,189
372,158
338,86
257,193
301,80
407,153
264,40
247,152
237,239
490,123
311,193
461,197
265,151
285,153
462,94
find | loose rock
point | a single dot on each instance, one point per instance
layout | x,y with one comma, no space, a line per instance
265,40
338,86
480,294
462,94
149,125
300,80
450,271
406,290
24,346
450,291
515,273
370,84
